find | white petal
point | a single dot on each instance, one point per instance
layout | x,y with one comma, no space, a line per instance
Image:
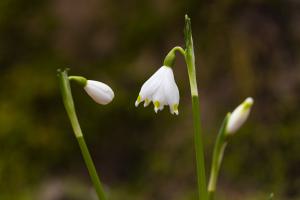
239,116
147,102
159,99
176,112
148,88
99,92
168,72
170,87
156,109
137,103
151,85
172,92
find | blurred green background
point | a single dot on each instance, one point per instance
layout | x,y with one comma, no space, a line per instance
243,48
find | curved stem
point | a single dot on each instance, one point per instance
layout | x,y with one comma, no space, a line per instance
180,50
170,58
70,108
218,153
190,61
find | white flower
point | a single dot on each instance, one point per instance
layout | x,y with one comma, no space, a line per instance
239,116
161,89
99,92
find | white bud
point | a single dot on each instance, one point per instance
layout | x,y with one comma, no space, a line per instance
99,92
239,116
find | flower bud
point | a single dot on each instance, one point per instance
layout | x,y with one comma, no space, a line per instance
239,116
99,92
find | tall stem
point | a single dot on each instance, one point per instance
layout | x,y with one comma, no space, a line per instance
218,153
190,61
70,108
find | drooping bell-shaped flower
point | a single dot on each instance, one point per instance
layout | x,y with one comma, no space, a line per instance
161,89
98,91
239,116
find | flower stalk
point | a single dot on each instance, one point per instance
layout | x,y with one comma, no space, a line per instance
218,153
190,61
70,108
170,58
232,122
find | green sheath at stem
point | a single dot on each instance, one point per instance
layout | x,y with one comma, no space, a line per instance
70,108
219,148
190,61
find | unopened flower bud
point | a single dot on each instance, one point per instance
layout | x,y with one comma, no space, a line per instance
99,92
239,116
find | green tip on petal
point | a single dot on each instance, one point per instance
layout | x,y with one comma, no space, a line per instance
175,109
138,101
147,102
248,103
156,106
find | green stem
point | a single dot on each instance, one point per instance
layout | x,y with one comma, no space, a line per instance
219,148
70,108
190,61
79,79
170,58
91,168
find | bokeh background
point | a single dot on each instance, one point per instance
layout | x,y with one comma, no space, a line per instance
243,48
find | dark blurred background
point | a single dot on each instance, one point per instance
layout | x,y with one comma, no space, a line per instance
243,48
